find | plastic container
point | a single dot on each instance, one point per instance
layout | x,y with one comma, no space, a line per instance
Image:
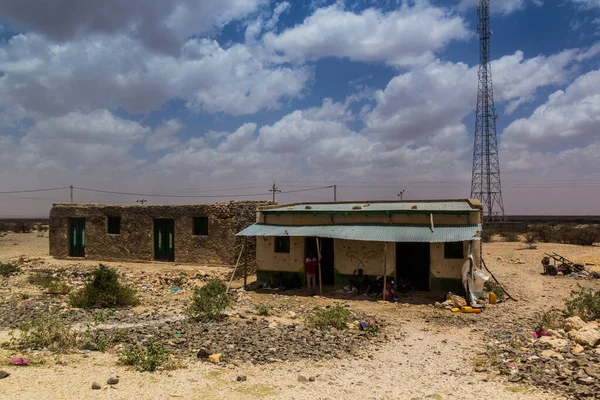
476,310
455,309
493,298
479,279
466,309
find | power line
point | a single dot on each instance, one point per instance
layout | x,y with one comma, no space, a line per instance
35,190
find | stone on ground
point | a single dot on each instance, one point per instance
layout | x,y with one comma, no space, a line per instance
215,358
585,337
574,324
113,380
96,386
3,374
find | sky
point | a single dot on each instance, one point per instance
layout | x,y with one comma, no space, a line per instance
214,101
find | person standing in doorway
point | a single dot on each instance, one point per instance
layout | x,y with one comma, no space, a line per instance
311,271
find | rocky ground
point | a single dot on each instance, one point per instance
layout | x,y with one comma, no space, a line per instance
420,352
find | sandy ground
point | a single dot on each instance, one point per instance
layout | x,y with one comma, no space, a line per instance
429,354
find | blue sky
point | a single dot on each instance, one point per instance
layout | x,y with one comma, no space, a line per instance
198,97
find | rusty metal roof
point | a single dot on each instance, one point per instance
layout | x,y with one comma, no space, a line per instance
370,233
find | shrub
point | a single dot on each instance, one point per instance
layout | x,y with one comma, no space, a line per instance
9,269
148,357
209,301
47,331
493,287
510,236
486,235
544,232
585,236
333,317
41,278
565,233
551,319
104,290
58,286
530,240
263,309
584,303
53,284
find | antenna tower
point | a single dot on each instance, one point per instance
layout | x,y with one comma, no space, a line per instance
485,182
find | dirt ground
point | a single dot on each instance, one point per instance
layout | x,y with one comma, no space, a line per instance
423,352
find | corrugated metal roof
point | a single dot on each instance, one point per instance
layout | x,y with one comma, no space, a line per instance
448,206
370,233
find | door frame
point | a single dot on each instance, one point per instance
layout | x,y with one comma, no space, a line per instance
167,221
312,240
79,225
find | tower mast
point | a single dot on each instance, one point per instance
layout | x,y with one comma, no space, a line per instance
485,182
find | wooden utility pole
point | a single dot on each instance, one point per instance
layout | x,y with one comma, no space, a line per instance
334,193
384,268
320,280
71,187
245,262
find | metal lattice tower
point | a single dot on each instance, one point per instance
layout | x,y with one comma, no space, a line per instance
485,183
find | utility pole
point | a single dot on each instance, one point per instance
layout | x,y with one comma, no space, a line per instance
274,190
485,181
401,194
71,187
334,193
141,201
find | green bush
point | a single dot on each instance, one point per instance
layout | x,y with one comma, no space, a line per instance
41,278
491,286
58,287
585,236
530,240
9,269
263,309
209,301
584,303
335,316
510,236
544,233
104,290
551,319
47,331
486,235
148,357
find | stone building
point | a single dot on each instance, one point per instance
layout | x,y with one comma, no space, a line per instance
195,234
424,242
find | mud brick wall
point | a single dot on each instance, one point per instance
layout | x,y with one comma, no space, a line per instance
136,239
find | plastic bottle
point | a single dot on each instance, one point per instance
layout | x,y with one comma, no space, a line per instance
493,298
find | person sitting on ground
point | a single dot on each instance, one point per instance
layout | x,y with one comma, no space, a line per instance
359,281
376,286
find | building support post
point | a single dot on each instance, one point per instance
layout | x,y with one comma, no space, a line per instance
384,268
235,269
320,280
245,262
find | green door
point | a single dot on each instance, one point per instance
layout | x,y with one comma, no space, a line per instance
77,237
164,240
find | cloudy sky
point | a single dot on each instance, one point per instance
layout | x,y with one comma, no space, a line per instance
221,98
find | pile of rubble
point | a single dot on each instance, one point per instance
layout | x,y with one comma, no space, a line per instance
565,360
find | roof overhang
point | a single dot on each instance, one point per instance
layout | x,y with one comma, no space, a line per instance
369,233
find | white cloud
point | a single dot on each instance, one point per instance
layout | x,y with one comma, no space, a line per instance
163,136
160,25
407,36
422,101
50,80
501,6
586,4
569,115
93,140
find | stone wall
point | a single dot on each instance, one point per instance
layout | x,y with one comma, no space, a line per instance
136,239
